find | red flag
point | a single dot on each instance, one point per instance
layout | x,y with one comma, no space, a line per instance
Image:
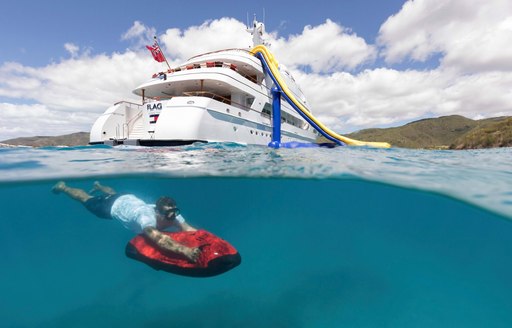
156,52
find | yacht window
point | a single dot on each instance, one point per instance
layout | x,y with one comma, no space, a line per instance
224,98
267,109
253,78
249,101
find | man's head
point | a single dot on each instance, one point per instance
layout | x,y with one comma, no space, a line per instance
166,207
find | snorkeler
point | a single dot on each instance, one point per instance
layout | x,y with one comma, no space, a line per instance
135,214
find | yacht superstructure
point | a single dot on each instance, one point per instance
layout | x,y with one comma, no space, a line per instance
220,96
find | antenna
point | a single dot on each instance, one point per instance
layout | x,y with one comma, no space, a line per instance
247,21
263,15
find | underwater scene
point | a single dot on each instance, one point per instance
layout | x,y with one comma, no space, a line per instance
342,237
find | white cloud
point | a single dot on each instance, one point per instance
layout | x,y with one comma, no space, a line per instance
325,48
138,29
471,35
72,49
210,36
386,96
16,120
72,93
140,34
84,84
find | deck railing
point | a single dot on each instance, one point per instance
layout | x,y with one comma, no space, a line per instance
207,64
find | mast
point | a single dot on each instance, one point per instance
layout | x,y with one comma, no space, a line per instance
257,31
160,48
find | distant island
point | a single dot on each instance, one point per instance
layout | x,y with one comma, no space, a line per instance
73,139
446,132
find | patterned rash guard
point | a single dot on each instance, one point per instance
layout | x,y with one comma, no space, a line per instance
133,213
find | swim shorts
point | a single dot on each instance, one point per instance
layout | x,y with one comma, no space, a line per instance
101,205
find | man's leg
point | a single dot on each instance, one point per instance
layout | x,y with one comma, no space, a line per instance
105,189
75,193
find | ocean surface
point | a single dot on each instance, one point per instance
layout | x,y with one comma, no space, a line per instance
342,237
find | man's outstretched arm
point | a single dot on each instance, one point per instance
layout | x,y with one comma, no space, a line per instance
166,243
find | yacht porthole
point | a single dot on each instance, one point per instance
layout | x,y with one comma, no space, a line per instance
235,128
227,110
190,102
252,132
239,114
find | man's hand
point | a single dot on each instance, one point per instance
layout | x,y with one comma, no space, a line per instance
192,253
166,243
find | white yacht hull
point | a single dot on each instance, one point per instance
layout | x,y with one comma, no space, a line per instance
185,120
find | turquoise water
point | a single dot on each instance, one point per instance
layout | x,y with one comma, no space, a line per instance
344,237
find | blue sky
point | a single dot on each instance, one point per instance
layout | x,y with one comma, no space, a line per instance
365,63
38,29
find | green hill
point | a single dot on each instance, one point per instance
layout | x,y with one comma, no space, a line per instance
489,135
455,132
426,133
73,139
